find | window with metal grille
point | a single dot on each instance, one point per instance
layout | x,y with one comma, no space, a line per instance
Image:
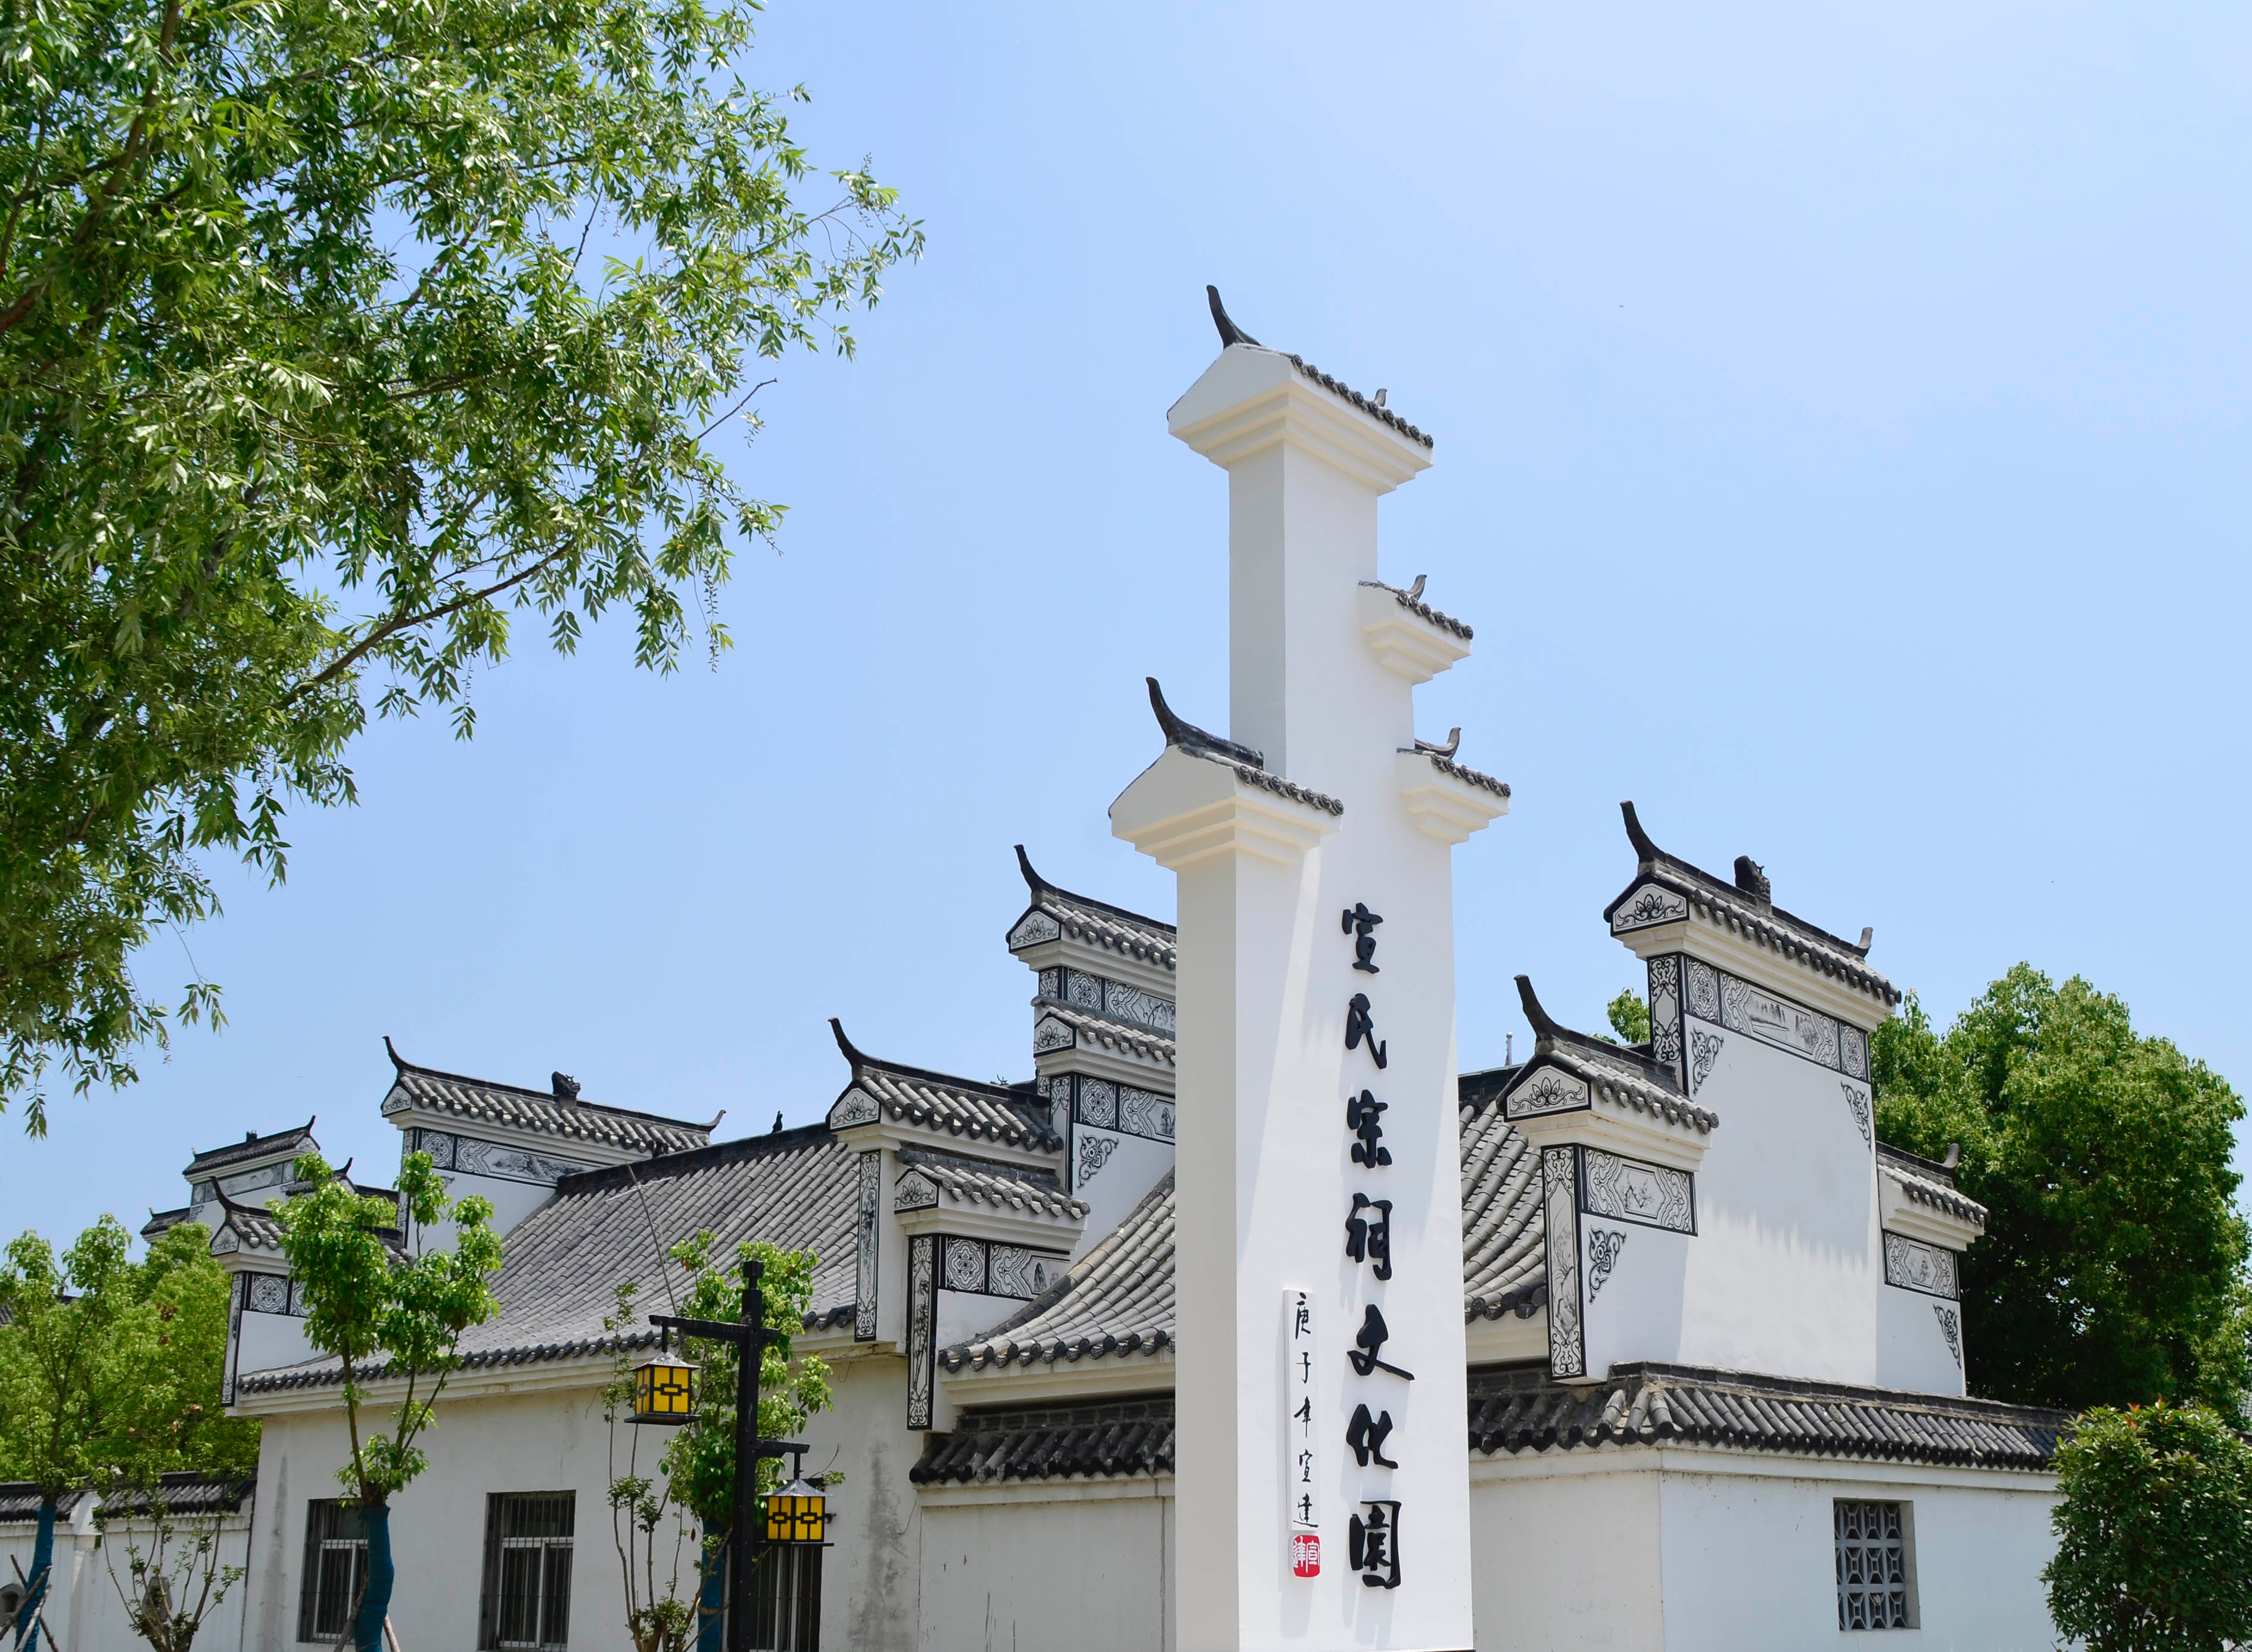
336,1568
1876,1565
526,1599
786,1599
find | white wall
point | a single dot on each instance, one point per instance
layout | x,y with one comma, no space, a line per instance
1912,1350
1706,1552
270,1341
1787,1256
84,1608
870,1581
1089,1565
1135,1165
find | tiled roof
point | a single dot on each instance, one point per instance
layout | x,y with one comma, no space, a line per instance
1518,1408
1117,1299
1094,1031
19,1499
562,1264
1042,1442
1422,610
1624,1085
939,1102
162,1222
1927,1183
251,1146
449,1095
1003,1186
181,1493
253,1228
1752,913
1381,414
1467,775
1121,931
1504,1265
1249,766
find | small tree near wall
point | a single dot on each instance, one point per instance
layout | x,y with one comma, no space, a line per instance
386,1315
2154,1532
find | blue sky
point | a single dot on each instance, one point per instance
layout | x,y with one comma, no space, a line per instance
1841,446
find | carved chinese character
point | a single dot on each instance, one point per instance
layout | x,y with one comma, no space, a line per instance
1366,1435
1361,1114
1358,1024
1373,1545
1369,1238
1360,923
1374,1334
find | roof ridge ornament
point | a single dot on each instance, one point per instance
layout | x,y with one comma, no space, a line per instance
1454,744
1186,735
1229,332
1642,847
1752,878
850,1050
1545,1028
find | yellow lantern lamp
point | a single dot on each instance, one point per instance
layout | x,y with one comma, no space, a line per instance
797,1513
664,1390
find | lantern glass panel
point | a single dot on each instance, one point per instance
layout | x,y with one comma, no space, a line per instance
665,1392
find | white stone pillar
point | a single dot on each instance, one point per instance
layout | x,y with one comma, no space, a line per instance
1270,859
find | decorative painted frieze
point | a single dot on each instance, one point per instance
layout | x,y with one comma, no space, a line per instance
1951,1328
471,1156
1604,1245
1549,1092
867,1234
1666,1011
1095,1151
1914,1266
992,1269
923,1326
1567,1353
1650,905
1105,996
1856,1099
1704,1050
1716,995
1110,1106
1629,1190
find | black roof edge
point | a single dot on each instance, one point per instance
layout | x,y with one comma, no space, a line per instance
233,1149
1477,1090
405,1065
860,1057
1649,853
1816,1387
1186,735
746,1146
1039,886
1549,1032
1931,1168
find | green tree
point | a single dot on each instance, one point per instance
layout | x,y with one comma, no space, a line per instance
2154,1532
334,335
698,1464
386,1315
2113,1266
1629,1017
110,1371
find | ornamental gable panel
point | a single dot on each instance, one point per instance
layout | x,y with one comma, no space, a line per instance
1651,904
1914,1266
1655,1194
1726,1000
1548,1091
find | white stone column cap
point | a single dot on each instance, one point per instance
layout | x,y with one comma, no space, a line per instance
1187,808
1251,399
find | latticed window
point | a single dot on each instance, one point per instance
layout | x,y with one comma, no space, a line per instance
1876,1565
336,1568
786,1599
527,1594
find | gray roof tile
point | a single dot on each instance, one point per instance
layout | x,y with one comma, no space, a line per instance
562,1264
1093,1031
447,1096
941,1103
1927,1183
1148,939
1003,1186
1041,1442
251,1146
1520,1408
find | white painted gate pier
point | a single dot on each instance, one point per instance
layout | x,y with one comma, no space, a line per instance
1321,1459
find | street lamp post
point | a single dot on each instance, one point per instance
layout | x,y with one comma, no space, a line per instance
750,1337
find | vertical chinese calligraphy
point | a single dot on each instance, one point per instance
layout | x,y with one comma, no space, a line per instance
1374,1534
1301,1478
